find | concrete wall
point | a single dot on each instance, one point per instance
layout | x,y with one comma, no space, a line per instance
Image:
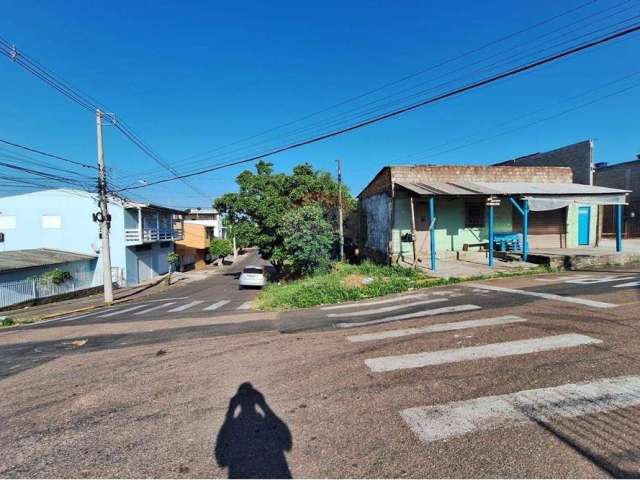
78,233
578,156
377,213
626,176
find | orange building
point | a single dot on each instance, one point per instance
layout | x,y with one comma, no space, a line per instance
193,249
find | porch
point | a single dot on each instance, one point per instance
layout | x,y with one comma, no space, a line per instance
493,224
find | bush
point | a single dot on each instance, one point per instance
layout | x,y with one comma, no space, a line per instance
344,283
6,322
307,242
220,248
57,276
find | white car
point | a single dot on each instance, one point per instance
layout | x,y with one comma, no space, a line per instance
253,276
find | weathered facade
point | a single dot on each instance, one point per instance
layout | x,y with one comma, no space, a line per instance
625,175
396,203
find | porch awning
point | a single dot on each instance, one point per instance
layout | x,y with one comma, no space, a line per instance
540,203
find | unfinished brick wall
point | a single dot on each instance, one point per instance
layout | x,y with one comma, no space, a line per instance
441,173
623,175
579,157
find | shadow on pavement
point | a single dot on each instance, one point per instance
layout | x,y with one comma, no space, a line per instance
253,439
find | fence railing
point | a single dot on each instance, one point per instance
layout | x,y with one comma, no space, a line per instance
33,288
151,235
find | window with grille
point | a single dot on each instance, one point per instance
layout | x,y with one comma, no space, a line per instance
474,214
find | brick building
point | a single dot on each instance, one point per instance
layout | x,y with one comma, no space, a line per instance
625,175
578,157
396,219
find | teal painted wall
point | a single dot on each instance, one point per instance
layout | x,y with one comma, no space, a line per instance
450,232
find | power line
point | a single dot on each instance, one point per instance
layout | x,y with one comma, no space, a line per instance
408,108
343,117
412,75
87,103
46,154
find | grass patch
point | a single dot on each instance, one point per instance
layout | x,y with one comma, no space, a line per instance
344,283
358,282
6,322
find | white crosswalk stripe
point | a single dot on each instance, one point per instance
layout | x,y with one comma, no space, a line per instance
406,316
374,302
245,306
493,350
215,306
439,422
186,306
118,312
386,309
152,309
548,296
438,327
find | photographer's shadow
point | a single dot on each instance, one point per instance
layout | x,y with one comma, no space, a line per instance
252,440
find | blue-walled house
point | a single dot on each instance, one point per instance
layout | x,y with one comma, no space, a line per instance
142,235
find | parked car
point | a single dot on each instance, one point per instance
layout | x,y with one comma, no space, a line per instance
253,276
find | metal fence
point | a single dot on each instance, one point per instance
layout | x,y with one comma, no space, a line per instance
18,291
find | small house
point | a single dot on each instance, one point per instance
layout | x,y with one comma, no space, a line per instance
430,211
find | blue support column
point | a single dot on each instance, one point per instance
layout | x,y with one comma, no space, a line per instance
491,236
432,231
525,230
619,228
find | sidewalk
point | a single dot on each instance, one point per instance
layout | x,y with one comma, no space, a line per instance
84,304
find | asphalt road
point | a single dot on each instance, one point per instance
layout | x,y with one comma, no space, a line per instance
530,376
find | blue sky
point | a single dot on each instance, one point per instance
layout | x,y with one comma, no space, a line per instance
192,76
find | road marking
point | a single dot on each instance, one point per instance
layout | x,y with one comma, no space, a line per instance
374,302
548,296
386,309
186,306
492,350
438,327
561,279
591,281
628,284
117,312
422,313
215,306
245,306
157,307
166,299
439,422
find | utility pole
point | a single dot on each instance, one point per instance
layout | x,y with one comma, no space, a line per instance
341,229
104,218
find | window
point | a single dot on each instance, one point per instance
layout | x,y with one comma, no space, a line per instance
51,221
474,214
7,222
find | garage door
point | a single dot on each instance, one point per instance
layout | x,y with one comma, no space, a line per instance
145,267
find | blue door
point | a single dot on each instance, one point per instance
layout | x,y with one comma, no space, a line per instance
584,220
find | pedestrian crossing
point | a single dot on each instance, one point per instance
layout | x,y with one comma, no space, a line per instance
450,420
160,306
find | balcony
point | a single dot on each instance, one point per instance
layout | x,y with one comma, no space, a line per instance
137,235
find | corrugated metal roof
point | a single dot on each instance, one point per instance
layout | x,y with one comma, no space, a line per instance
38,257
506,188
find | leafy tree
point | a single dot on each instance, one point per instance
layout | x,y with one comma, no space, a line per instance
220,248
308,241
245,232
265,197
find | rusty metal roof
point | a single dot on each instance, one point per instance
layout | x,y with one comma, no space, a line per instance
506,188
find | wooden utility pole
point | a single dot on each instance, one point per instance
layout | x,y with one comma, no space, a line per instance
103,218
340,227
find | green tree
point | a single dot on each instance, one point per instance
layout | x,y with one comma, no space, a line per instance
265,197
245,232
308,241
172,259
220,248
